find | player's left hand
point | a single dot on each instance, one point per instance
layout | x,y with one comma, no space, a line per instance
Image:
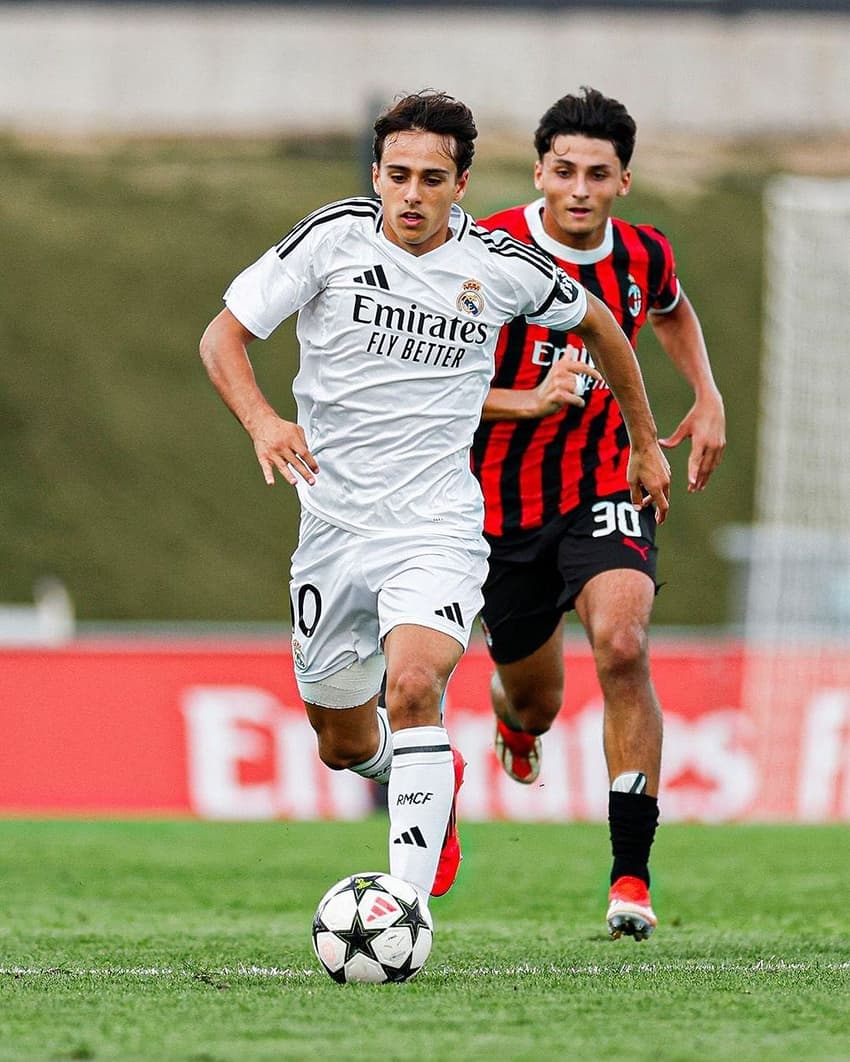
705,426
649,480
563,385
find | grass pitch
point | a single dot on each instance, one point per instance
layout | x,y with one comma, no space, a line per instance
187,940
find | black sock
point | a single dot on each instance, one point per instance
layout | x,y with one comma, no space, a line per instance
632,819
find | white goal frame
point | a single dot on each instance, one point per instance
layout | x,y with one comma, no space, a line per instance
799,578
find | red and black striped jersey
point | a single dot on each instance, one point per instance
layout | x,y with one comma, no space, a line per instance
532,471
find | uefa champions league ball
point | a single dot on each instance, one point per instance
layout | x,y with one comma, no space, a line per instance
372,928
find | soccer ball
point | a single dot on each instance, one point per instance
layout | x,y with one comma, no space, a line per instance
371,928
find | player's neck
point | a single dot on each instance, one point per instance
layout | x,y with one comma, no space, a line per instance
418,250
583,241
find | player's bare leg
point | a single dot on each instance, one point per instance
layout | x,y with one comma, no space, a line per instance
419,664
526,696
615,608
346,737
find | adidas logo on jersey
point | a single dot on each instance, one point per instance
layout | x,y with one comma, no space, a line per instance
412,836
451,612
374,278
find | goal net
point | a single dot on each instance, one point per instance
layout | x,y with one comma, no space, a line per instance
797,624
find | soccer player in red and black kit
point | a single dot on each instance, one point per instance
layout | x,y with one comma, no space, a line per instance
562,529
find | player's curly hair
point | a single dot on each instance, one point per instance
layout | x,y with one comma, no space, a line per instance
430,111
593,115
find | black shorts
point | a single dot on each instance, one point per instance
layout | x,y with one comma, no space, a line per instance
533,581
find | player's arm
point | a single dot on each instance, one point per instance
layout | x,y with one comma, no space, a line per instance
558,388
680,334
278,443
648,469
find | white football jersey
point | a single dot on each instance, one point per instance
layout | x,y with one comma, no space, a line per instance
396,357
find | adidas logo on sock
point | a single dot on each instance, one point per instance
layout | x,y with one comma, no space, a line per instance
451,612
412,836
374,278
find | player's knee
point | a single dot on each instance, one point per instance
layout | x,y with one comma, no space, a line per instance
621,650
413,696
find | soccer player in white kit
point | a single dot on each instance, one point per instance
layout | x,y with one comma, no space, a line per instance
400,300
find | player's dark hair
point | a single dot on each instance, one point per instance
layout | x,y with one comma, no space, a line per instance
431,112
593,115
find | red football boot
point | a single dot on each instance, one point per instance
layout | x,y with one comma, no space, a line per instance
450,854
630,909
519,753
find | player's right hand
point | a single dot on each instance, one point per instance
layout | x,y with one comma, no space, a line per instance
280,444
563,386
649,480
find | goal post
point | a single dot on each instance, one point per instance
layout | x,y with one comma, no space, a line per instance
799,584
797,621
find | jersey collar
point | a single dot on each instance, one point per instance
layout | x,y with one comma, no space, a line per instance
534,220
459,222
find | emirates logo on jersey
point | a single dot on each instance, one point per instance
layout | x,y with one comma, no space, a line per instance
634,298
471,300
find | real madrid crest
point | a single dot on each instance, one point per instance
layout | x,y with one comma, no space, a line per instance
634,298
471,300
298,655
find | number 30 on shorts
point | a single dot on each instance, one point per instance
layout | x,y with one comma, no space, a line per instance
616,516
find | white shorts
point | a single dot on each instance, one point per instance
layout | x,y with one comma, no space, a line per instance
348,591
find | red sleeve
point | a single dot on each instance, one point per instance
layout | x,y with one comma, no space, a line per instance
665,291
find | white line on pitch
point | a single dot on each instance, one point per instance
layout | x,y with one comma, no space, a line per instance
762,966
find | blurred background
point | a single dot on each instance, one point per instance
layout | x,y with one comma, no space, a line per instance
148,152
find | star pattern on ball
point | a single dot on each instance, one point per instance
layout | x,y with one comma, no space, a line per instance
412,917
400,973
359,939
359,884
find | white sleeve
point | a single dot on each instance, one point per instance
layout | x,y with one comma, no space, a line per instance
543,292
565,306
278,284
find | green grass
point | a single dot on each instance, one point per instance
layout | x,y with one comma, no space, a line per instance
186,940
122,472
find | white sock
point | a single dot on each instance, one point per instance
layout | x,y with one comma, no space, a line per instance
421,790
378,766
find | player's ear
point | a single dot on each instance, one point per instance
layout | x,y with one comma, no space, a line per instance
460,187
376,181
625,183
538,175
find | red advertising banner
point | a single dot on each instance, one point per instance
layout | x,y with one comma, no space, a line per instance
216,730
